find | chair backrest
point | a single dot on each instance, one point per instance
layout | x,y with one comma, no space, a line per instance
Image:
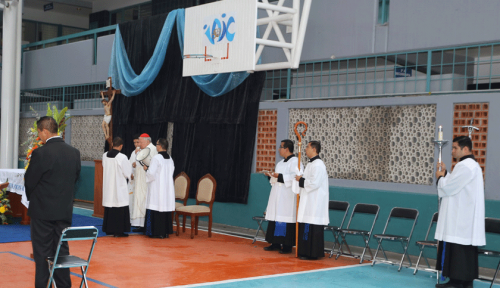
492,225
433,221
206,190
78,233
339,206
365,209
182,184
406,213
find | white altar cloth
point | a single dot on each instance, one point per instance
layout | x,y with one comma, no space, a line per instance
16,182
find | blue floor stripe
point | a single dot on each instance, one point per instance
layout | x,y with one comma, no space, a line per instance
72,273
366,276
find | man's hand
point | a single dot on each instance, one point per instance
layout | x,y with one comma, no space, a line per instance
298,177
132,176
133,165
443,169
145,168
273,174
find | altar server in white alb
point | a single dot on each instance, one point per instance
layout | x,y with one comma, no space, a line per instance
115,199
281,208
141,187
131,182
161,193
460,227
313,205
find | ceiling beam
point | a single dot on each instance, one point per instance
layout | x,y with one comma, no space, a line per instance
77,3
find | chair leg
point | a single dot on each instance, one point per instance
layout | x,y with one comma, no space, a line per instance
258,229
184,223
376,252
418,260
495,276
178,224
196,218
210,225
193,223
84,277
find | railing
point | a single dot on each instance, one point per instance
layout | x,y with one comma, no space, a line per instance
465,68
85,96
91,34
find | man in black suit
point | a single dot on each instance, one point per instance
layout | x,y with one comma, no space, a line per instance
50,186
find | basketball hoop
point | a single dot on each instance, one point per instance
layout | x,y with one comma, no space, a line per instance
187,56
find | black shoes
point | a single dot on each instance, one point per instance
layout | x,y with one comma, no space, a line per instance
285,251
140,229
157,236
121,235
272,247
308,258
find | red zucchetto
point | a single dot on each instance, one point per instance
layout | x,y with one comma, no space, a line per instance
144,135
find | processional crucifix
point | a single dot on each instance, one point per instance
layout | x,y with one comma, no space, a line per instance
298,197
471,128
107,124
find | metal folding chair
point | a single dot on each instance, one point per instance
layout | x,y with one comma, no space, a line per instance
69,261
371,209
427,243
396,212
341,206
492,225
259,220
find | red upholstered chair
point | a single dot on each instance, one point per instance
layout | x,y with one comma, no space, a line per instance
205,194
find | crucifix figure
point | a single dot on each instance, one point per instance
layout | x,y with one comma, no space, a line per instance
107,126
471,128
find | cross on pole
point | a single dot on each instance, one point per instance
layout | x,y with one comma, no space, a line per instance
108,110
471,128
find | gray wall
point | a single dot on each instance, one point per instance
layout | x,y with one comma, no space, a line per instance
444,117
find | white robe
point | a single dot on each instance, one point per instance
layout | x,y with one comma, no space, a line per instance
131,183
114,187
282,205
140,192
161,191
461,216
314,197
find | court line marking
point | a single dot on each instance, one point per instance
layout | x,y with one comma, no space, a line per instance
272,276
72,273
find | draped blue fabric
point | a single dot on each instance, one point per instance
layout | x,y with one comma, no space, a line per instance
131,84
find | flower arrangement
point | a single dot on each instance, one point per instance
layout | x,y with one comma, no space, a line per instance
34,141
4,207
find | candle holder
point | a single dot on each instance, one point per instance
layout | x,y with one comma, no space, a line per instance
440,144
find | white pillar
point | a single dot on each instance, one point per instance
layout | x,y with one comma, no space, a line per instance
17,91
8,83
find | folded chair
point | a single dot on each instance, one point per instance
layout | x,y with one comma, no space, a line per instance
492,225
69,261
427,243
205,194
259,220
403,213
182,184
340,206
360,208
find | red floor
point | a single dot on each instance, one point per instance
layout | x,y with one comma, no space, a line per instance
138,261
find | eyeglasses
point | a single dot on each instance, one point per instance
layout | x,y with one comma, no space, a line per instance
281,147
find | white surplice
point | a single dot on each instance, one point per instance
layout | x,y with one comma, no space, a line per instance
114,187
140,192
161,191
131,183
282,205
461,215
314,197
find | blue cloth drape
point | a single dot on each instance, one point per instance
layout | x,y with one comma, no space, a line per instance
131,84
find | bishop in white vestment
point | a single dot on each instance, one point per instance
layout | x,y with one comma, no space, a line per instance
281,207
460,227
131,182
141,187
115,199
161,193
313,205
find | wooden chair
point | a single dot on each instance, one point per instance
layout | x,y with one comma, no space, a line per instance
205,194
182,183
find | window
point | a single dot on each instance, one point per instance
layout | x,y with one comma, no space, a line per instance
383,11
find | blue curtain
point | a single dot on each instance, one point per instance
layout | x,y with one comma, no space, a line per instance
131,84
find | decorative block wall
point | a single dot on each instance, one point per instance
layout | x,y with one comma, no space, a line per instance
87,136
266,140
381,143
24,125
462,115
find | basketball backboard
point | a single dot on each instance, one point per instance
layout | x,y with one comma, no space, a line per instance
225,32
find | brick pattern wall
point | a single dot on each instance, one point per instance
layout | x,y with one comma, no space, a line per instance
462,115
266,140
